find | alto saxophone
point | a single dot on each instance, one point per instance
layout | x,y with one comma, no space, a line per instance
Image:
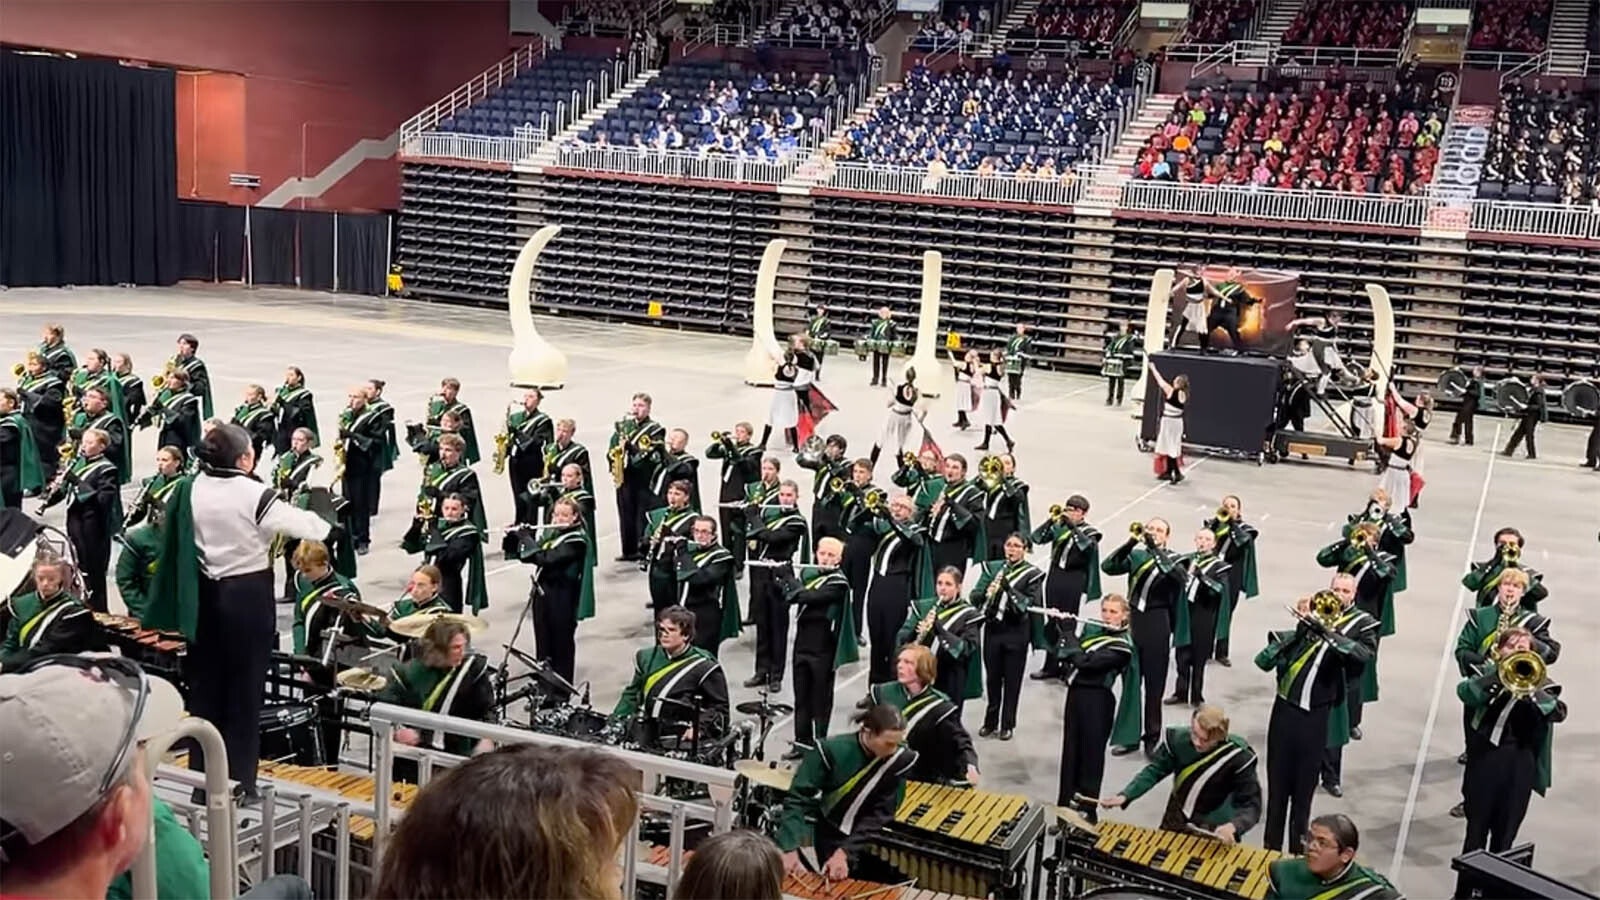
502,450
925,627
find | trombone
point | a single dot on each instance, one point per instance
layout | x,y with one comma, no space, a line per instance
1521,673
1326,608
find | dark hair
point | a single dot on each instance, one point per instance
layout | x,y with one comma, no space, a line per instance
682,485
433,648
523,821
708,520
1343,830
223,445
191,340
1078,501
837,440
1521,541
879,718
680,618
956,457
952,571
739,863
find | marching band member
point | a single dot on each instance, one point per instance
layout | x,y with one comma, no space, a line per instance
564,587
567,452
897,425
969,381
1328,870
364,441
94,512
824,640
1018,348
1073,574
707,587
945,754
21,471
569,487
1510,714
132,386
1312,664
1005,503
880,341
135,572
632,468
922,476
528,431
776,530
454,544
444,677
1236,545
819,333
58,357
1361,686
693,702
1373,571
42,394
424,439
293,408
1155,587
178,408
1006,588
450,476
1195,632
900,570
1214,784
194,371
48,619
448,400
1472,396
675,463
291,472
827,501
846,789
1394,533
255,417
1100,653
741,466
784,414
952,627
1120,354
96,373
315,580
992,403
383,425
1484,578
955,520
422,594
1169,437
153,494
667,527
861,539
95,412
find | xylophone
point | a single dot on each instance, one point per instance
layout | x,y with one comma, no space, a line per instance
968,842
159,651
356,787
814,887
1193,864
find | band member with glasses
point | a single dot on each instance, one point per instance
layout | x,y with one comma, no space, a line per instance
679,690
706,585
1328,869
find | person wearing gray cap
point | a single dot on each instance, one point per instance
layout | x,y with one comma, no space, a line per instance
214,584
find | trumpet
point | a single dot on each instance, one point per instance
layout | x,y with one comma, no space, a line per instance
874,499
836,485
425,508
1512,554
1058,513
1136,530
718,437
19,370
992,471
1222,515
908,460
502,449
1521,673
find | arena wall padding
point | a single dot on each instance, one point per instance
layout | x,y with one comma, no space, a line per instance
1230,401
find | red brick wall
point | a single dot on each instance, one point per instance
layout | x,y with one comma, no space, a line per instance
280,88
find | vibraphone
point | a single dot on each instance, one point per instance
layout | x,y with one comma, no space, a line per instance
159,651
1192,864
967,842
362,829
815,887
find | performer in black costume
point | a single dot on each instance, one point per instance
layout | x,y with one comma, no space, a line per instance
1156,584
945,753
1090,660
1073,575
776,531
824,640
94,514
741,467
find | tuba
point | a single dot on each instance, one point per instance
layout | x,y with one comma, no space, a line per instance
1521,673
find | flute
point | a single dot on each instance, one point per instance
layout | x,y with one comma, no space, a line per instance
523,526
1053,613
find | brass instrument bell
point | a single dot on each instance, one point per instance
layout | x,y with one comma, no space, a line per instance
1521,672
1222,515
19,370
716,437
908,459
1057,512
1326,607
158,381
836,484
1136,530
874,499
645,443
1513,553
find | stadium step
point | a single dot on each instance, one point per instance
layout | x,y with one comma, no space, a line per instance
997,38
1279,14
546,155
1569,35
1144,123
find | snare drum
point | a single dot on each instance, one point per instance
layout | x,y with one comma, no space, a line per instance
586,724
289,734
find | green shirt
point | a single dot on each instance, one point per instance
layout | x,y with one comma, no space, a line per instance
1291,879
839,781
181,869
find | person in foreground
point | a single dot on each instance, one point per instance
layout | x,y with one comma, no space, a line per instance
1328,870
521,821
739,863
1215,789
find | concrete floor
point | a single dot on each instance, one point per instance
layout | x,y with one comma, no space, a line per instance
1399,781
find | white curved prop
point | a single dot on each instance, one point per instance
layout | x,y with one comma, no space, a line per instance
534,361
1382,360
762,358
933,378
1155,329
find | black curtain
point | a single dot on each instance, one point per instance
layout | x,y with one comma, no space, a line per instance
212,240
272,245
363,253
88,173
316,250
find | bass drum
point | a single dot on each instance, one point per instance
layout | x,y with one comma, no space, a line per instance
1452,385
1511,396
1581,400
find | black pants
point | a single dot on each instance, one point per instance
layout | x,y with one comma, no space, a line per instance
1226,317
555,627
1295,741
952,678
886,612
361,489
1524,432
880,367
1090,712
813,686
1152,637
91,542
226,667
733,533
1005,653
1014,385
1190,684
633,498
663,589
289,546
1461,425
1114,387
1499,784
858,571
1592,450
49,459
1235,593
1332,769
10,496
771,615
707,626
1063,590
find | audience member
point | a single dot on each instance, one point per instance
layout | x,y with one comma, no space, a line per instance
827,23
1367,24
956,27
521,821
1089,24
1545,140
1219,21
739,864
1512,26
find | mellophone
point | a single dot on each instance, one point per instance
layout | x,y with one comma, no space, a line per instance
815,887
1191,864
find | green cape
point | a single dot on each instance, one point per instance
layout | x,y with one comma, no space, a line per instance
30,472
174,601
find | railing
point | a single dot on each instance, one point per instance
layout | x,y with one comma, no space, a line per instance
1576,222
679,164
1354,57
997,188
481,86
1220,56
521,144
1049,46
721,35
1444,4
1279,205
1130,27
1494,59
220,847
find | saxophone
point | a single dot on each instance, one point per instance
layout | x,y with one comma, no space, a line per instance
925,627
617,455
991,598
502,449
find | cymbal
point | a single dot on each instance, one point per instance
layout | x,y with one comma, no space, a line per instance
352,606
363,680
763,708
757,772
414,625
1073,819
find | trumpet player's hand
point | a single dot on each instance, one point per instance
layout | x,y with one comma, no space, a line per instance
407,736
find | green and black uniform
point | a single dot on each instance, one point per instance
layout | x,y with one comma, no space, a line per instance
880,343
439,482
665,529
313,618
1018,350
180,415
1118,359
21,471
956,535
152,498
954,637
1236,544
117,449
1156,585
1210,789
94,515
1009,633
41,627
199,380
290,473
671,693
438,406
369,451
528,434
1509,755
841,796
1291,878
456,548
824,641
707,588
136,566
1195,632
42,397
827,504
257,419
933,729
1484,582
741,467
465,692
292,408
563,591
1072,577
1091,661
557,457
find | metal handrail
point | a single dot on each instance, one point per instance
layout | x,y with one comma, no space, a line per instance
1494,59
522,143
680,163
1212,61
1355,57
1533,65
220,848
475,89
1130,25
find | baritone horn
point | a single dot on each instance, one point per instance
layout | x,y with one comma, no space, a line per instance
1521,673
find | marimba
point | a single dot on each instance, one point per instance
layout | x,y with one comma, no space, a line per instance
159,651
356,787
1195,865
815,887
962,841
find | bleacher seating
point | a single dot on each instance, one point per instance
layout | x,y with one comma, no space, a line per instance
1510,26
826,23
1354,139
607,18
985,123
1367,24
1527,308
1543,146
719,12
1219,21
1091,23
958,25
457,231
717,107
534,98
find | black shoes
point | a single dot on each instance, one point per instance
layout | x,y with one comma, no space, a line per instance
756,680
986,731
1044,675
1333,788
1461,760
1004,735
1355,733
1459,811
1175,700
795,754
1124,751
1224,662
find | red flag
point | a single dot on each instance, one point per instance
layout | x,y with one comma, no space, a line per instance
805,426
813,410
1159,464
1391,417
929,445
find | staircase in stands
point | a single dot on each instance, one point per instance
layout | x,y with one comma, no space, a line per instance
1569,37
996,40
1279,14
547,154
1104,188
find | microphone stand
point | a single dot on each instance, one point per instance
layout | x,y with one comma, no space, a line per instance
503,672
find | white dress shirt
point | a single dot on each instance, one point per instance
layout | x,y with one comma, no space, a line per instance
235,520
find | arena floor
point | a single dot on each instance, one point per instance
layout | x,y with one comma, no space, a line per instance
1399,781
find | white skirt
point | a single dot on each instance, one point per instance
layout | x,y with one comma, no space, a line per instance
785,412
1194,315
1397,484
1169,436
963,396
896,428
989,407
